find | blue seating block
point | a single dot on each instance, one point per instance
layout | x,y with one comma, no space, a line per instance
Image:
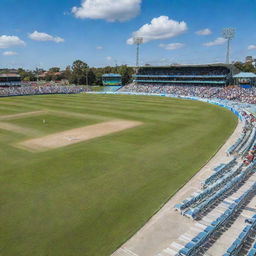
184,252
252,252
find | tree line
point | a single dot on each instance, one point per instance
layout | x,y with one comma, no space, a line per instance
78,73
245,67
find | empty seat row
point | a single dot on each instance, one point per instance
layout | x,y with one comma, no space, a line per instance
192,248
219,173
252,251
217,168
249,143
237,245
240,141
236,181
208,191
245,139
237,143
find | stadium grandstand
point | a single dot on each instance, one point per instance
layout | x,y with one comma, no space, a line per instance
10,79
207,75
6,91
245,79
221,81
111,82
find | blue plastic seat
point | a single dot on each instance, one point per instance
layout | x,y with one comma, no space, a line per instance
233,247
252,252
215,223
184,252
243,235
190,245
209,229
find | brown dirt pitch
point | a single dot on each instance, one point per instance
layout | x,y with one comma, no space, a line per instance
73,136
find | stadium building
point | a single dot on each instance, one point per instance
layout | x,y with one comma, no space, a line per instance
245,79
185,75
112,80
7,80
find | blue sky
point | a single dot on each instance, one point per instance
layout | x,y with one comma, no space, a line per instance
46,33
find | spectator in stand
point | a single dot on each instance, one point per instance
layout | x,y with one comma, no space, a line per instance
33,90
225,93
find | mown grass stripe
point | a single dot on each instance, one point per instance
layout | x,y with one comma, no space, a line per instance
87,198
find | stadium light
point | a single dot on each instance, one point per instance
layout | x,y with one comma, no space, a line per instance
138,41
229,34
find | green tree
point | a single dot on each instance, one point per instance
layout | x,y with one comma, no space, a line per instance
27,75
67,73
245,67
91,77
54,69
126,73
79,71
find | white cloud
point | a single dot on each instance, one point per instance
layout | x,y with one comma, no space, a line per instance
204,32
99,48
159,28
252,47
39,36
10,41
110,10
9,53
217,41
109,58
172,46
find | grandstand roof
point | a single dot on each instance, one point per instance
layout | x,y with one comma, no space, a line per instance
231,67
192,65
245,75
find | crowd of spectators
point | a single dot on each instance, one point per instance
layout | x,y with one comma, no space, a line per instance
34,90
234,93
250,156
238,94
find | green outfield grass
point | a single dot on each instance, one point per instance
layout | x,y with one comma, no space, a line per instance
86,199
50,123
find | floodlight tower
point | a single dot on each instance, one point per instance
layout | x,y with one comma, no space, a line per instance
229,34
138,41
